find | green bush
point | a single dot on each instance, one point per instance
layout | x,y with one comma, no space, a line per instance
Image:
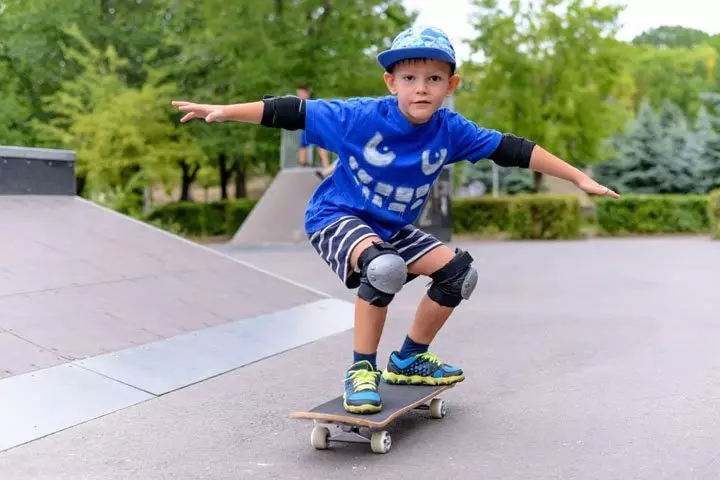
544,217
652,214
482,215
201,219
237,212
519,216
714,214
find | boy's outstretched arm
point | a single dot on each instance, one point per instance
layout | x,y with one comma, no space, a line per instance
545,162
513,151
241,112
280,112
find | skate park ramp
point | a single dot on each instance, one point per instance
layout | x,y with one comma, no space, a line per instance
279,215
99,311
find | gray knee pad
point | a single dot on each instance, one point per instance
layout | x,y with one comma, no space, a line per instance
454,282
383,274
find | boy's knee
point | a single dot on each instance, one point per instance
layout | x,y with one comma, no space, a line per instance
454,282
383,274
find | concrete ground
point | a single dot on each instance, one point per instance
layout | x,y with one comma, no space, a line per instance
584,360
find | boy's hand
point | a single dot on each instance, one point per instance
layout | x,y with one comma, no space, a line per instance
589,185
211,113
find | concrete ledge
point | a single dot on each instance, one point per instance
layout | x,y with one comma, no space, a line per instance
46,401
166,365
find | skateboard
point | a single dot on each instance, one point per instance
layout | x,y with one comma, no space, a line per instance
334,424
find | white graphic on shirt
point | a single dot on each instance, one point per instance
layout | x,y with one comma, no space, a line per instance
404,194
384,189
381,193
364,176
375,158
430,168
397,207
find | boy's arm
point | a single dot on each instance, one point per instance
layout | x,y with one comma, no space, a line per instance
474,143
515,151
286,112
545,162
325,122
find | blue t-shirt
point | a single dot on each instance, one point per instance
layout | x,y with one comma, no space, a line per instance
386,164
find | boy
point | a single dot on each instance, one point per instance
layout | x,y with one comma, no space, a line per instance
360,219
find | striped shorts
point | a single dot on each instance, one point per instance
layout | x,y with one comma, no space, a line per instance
335,242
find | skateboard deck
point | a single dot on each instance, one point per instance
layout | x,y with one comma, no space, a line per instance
397,400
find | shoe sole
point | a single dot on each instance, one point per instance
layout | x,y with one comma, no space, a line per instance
397,379
361,408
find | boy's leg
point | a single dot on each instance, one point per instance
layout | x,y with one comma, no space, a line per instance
430,316
453,279
360,258
369,319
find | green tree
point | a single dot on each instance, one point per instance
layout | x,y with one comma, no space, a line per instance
708,140
683,160
15,112
647,156
672,37
678,75
117,131
551,71
241,51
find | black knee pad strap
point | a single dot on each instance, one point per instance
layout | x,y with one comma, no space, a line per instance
374,296
449,283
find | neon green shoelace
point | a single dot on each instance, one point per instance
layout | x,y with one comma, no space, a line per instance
430,357
364,380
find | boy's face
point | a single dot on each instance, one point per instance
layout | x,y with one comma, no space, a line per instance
302,93
421,86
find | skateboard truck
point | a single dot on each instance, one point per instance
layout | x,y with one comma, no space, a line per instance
326,431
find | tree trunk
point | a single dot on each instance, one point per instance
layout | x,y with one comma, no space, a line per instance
537,180
80,181
240,179
224,170
189,172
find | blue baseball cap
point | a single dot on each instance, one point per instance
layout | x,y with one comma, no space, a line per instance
418,42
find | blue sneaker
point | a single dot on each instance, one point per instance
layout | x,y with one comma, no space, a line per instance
361,389
421,369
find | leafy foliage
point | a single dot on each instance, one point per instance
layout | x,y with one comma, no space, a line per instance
116,130
551,71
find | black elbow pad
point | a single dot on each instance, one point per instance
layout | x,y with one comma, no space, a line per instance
286,112
513,151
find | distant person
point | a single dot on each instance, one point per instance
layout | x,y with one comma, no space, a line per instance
303,91
360,221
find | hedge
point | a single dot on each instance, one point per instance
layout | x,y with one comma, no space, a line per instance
652,214
483,215
713,210
519,216
197,219
515,217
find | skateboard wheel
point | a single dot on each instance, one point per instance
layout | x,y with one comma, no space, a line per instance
438,409
319,438
380,442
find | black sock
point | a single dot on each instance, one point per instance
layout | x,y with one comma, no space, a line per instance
411,347
370,357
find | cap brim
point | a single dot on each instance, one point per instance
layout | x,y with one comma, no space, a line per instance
388,57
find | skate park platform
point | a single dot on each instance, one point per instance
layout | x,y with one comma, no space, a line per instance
99,311
584,359
279,215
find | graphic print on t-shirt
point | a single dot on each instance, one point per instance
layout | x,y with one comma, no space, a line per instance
383,194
